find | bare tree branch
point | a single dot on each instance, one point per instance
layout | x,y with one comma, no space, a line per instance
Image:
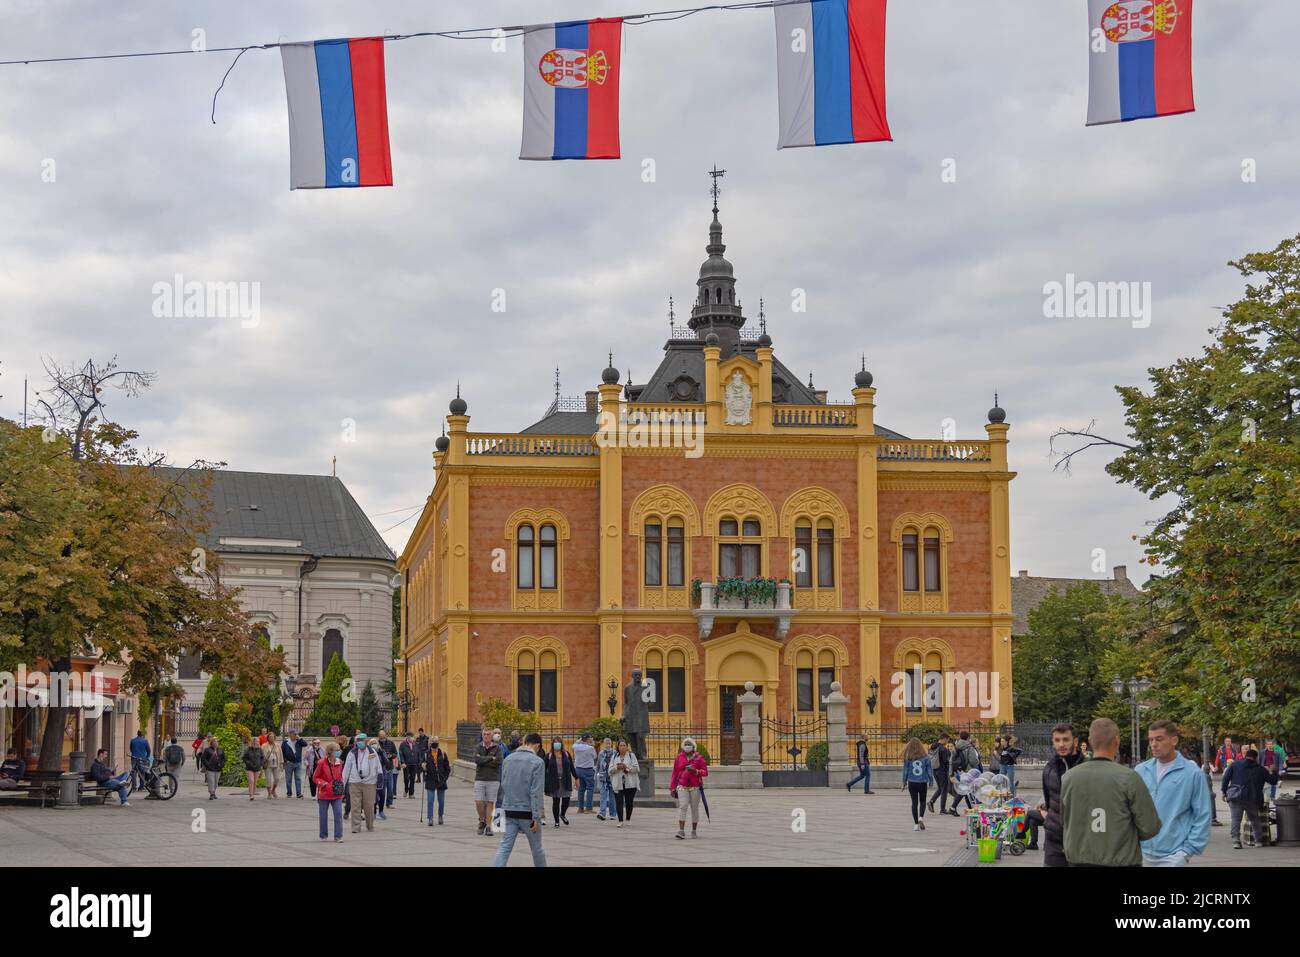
1064,459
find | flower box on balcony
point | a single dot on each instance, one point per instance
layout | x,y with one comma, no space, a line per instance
755,598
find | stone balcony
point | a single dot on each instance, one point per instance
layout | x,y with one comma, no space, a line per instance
711,608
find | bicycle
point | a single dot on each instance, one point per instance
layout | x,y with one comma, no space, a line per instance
159,784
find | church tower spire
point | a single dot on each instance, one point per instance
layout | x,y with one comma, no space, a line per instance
716,307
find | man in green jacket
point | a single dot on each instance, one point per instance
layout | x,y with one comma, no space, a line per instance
1106,810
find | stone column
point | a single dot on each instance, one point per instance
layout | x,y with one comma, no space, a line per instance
839,768
751,756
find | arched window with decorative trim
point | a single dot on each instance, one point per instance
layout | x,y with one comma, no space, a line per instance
922,665
664,518
922,542
742,521
537,667
667,662
537,579
816,523
814,662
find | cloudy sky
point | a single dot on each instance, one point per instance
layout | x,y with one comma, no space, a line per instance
373,302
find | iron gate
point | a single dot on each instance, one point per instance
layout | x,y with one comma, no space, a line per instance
786,746
304,700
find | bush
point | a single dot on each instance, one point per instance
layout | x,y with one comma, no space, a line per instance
606,727
818,756
370,719
499,713
213,713
928,732
330,708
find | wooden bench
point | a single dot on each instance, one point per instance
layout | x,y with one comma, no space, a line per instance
45,789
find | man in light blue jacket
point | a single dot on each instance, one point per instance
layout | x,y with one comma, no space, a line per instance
1181,798
519,801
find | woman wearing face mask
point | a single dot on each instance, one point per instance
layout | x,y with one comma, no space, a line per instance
624,779
687,786
602,779
327,776
559,781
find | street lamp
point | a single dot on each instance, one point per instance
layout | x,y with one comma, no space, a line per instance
612,700
1136,688
873,698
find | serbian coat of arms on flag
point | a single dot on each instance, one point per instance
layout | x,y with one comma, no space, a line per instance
571,90
1141,59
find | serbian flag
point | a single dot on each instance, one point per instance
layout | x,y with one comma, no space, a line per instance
830,72
571,90
1145,66
338,113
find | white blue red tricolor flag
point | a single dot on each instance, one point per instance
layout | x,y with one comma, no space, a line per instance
571,90
830,72
1144,67
338,113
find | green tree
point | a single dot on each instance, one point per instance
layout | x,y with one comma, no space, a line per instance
370,719
1216,438
1059,664
213,713
336,703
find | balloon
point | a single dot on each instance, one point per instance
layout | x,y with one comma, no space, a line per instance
1001,782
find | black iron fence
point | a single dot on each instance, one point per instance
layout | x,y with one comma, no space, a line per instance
785,743
885,742
662,744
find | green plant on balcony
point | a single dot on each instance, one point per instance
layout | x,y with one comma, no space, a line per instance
695,591
733,587
759,590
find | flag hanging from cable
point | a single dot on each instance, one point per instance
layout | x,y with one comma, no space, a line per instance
830,72
571,90
1140,63
338,113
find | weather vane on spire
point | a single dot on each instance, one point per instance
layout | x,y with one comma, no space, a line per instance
715,189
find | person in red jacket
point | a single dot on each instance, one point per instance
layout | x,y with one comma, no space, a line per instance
687,786
329,770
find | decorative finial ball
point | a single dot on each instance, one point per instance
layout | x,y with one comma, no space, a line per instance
765,341
442,443
749,686
863,379
712,339
997,415
458,406
610,376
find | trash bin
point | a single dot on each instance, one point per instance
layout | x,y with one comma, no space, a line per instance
69,789
1288,821
77,762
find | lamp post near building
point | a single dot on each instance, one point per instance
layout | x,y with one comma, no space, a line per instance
612,700
1136,688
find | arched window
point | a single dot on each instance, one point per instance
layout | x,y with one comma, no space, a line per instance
538,665
923,683
524,556
663,516
718,294
547,557
740,547
814,670
538,578
331,644
665,552
666,662
922,561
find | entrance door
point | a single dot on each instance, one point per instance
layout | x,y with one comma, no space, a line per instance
729,721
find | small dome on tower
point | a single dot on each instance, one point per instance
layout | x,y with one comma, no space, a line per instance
712,339
611,375
458,406
765,341
863,378
442,443
996,414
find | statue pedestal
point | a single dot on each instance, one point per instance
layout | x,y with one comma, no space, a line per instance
645,795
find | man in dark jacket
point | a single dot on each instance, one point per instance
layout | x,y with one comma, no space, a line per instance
437,772
862,756
1048,813
487,778
409,759
1243,789
103,775
421,752
940,763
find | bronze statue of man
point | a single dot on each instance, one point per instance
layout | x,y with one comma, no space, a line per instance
636,714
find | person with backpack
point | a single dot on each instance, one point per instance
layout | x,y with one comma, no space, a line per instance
437,772
212,762
253,758
1007,759
174,758
327,781
966,757
361,775
940,762
862,757
918,777
1243,789
606,808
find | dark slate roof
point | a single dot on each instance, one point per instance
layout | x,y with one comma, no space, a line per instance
1028,591
317,510
564,423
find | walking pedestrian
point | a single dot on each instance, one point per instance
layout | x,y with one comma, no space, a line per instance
253,758
1226,755
487,778
410,763
199,743
386,777
1273,758
291,750
1180,798
361,773
1243,789
174,758
311,756
940,761
1106,810
328,788
918,778
584,765
559,781
965,757
605,811
862,756
141,759
391,766
624,780
437,772
212,761
687,786
1047,816
272,766
421,752
522,796
1007,757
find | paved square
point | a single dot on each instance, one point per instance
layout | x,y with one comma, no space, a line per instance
750,828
